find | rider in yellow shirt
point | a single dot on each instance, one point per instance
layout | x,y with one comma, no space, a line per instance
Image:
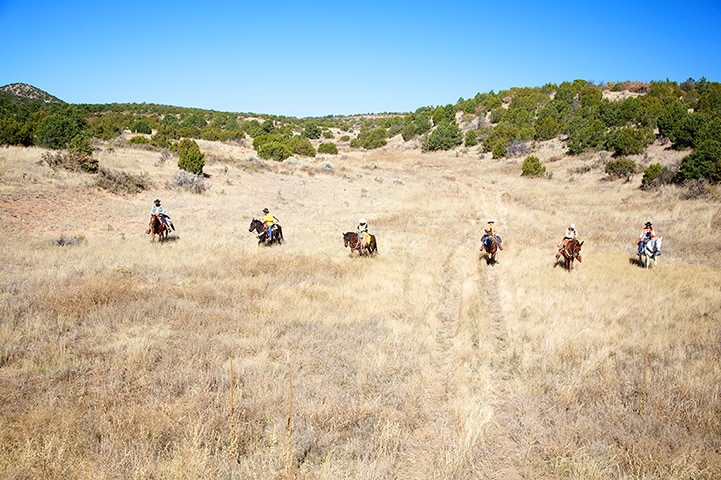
269,220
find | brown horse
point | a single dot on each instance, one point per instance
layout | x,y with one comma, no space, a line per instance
490,247
351,239
571,251
157,227
262,232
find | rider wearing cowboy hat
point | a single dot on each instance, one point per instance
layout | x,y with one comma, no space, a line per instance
570,235
362,231
269,220
159,211
646,234
491,230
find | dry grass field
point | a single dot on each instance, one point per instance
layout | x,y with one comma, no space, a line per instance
423,362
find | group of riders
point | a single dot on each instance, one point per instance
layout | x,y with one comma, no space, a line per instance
269,220
647,234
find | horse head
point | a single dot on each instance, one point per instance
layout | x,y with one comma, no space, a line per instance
346,238
255,224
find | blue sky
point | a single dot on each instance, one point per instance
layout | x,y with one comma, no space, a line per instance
320,58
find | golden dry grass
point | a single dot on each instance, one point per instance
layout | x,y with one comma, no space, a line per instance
422,362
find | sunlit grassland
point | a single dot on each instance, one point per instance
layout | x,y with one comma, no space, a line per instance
115,353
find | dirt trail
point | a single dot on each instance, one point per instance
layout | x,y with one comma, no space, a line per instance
507,451
438,425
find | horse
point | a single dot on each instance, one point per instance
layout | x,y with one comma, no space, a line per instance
571,251
651,251
259,227
352,239
491,247
157,226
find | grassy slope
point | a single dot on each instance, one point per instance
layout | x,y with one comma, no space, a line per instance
420,363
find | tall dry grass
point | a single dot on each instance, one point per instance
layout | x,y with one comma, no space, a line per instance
422,362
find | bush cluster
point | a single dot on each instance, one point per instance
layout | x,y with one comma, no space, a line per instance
620,168
277,147
329,148
122,183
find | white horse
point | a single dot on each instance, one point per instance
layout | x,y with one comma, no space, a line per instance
651,251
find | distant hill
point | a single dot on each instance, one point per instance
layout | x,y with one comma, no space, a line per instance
23,93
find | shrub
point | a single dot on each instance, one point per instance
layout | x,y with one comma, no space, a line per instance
499,149
497,114
159,140
197,120
376,139
445,137
55,131
275,150
311,131
651,174
409,131
301,146
190,158
622,167
329,148
704,162
628,141
423,123
16,132
471,138
81,154
141,127
532,167
138,141
64,241
120,183
345,138
547,128
189,182
328,134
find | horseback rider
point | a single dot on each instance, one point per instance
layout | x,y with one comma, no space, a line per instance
570,235
491,230
646,234
159,211
362,231
269,220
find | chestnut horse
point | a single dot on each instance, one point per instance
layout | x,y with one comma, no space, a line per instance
259,227
157,227
490,247
571,252
351,239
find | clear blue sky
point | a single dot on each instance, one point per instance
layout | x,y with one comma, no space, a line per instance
319,58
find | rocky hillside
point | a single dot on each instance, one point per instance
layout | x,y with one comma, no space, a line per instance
21,93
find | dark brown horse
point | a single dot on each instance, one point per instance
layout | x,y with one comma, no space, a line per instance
352,240
157,227
490,246
263,237
571,251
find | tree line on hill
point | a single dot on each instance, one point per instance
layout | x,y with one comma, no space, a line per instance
505,124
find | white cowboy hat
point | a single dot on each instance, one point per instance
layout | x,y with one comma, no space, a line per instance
362,221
